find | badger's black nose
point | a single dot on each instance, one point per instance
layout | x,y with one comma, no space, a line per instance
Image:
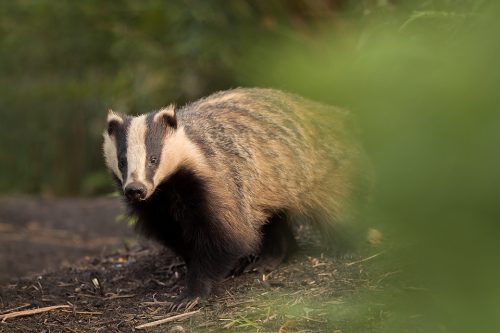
135,191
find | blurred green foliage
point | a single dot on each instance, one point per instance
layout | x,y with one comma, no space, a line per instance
425,89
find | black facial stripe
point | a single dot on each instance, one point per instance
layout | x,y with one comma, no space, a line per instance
155,133
120,134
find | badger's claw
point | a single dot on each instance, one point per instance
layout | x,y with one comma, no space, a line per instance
184,302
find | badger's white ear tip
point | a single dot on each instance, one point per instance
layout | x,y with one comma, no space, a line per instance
168,111
112,115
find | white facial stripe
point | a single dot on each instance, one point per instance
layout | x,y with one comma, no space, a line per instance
110,155
178,150
136,150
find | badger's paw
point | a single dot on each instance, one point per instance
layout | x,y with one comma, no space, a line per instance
184,302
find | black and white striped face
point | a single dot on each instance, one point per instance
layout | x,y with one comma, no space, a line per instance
134,150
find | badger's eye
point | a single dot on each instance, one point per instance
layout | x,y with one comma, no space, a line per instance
153,160
121,163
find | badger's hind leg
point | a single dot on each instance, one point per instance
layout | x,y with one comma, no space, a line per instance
278,243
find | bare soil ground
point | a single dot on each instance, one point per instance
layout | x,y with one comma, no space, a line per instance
81,261
43,234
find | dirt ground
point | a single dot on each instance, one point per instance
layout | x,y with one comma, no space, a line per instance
74,254
43,234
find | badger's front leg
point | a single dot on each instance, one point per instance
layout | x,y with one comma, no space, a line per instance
210,261
199,285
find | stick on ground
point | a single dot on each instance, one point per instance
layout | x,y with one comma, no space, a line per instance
30,312
363,260
16,308
166,320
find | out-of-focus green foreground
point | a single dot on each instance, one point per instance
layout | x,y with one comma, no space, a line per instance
426,91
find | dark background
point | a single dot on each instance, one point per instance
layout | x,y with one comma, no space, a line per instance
64,63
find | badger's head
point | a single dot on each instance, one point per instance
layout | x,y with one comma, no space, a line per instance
136,149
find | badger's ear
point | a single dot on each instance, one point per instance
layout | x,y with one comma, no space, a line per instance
113,120
167,116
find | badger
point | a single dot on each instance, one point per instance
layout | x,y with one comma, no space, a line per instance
225,177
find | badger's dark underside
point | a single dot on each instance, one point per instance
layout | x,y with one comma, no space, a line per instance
178,216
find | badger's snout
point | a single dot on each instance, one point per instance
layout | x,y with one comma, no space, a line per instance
135,191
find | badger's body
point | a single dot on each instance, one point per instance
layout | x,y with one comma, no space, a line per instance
221,179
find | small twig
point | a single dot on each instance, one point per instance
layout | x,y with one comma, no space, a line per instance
231,323
32,311
16,308
112,296
386,275
193,304
83,312
156,303
98,286
166,320
362,260
315,320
